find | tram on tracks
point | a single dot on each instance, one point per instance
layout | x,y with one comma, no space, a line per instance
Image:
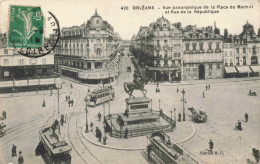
53,148
100,96
162,151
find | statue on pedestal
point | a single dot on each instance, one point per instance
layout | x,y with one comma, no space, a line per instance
137,84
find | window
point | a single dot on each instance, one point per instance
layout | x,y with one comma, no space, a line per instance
210,46
237,60
6,51
217,46
98,40
230,53
231,62
244,60
218,66
244,50
177,54
237,50
43,60
158,43
254,50
201,46
194,46
33,61
230,45
6,62
157,53
187,47
6,73
165,42
20,61
165,53
210,66
225,53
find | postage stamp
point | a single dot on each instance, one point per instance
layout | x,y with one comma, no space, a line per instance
25,27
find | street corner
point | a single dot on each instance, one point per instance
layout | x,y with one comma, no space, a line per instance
130,144
184,131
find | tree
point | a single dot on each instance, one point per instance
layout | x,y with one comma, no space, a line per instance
217,31
225,33
258,32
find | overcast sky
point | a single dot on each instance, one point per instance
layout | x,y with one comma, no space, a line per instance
127,22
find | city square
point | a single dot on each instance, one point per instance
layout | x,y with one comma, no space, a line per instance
129,84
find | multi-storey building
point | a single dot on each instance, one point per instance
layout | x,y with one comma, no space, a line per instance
84,52
20,73
247,52
162,42
202,53
229,57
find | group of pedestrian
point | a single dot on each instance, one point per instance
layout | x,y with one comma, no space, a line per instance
207,88
70,101
239,123
20,157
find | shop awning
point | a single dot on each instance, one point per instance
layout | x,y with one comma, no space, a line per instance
255,68
243,69
230,70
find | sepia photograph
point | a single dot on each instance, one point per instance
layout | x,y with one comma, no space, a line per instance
129,81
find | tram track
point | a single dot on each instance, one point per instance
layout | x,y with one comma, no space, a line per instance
76,142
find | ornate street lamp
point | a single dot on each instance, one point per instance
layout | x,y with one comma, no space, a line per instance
104,112
109,109
159,105
183,100
174,115
171,116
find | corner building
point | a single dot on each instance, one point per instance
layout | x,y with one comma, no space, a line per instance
86,52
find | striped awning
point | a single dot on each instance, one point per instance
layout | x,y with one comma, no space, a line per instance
243,69
255,68
230,70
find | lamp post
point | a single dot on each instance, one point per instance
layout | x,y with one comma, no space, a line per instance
183,101
159,104
86,100
104,112
109,109
174,115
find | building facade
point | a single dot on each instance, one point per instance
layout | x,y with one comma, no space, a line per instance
202,53
20,73
162,42
86,52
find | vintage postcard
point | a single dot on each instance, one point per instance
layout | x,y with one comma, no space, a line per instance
129,81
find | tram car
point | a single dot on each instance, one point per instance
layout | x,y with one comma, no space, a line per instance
53,148
100,96
161,151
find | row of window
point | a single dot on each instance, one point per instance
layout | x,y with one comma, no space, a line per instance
245,49
21,61
194,46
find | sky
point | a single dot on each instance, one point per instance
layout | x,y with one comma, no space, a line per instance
127,22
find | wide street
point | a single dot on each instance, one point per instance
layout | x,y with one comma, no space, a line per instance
225,103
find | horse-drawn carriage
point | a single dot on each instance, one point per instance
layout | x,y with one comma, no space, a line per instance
198,116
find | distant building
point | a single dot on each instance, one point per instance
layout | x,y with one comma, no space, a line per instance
20,73
86,52
202,53
247,52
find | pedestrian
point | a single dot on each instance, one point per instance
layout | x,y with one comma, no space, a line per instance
105,139
72,102
4,114
96,132
71,85
88,90
239,125
66,97
126,132
69,102
43,103
14,151
209,87
246,117
99,116
211,145
20,158
206,87
177,89
179,117
62,119
256,154
66,118
100,136
91,125
161,112
51,92
203,94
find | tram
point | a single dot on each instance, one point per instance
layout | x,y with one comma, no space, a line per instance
99,96
53,148
162,151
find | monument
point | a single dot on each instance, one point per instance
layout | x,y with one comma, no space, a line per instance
138,118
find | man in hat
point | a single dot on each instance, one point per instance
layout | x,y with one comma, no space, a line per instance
246,117
14,151
211,145
20,158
